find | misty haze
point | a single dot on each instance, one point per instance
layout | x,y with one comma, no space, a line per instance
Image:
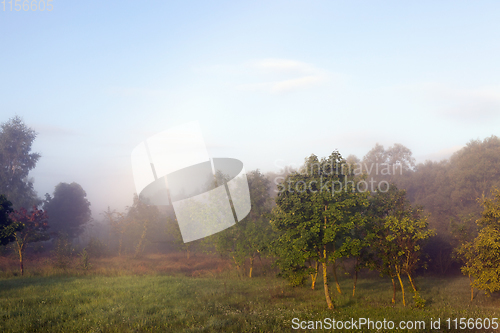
249,166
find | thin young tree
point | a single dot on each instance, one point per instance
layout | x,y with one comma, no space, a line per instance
34,229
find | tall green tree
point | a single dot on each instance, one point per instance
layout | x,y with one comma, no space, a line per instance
8,227
16,161
315,212
68,209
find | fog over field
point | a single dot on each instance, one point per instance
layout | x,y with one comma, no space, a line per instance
89,91
268,82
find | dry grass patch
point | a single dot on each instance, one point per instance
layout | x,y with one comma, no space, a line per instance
151,264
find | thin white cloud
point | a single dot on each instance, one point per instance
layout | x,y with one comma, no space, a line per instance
134,92
283,75
219,69
284,85
270,75
284,66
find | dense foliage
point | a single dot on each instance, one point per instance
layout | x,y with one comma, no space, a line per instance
16,161
68,209
8,227
481,255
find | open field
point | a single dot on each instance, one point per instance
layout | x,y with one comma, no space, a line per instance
215,300
170,264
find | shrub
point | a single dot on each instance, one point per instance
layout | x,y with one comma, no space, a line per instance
96,248
419,301
84,259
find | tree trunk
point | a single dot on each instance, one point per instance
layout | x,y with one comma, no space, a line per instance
314,275
393,290
335,277
402,288
251,267
355,281
355,276
471,288
325,275
412,284
325,284
20,247
21,263
237,267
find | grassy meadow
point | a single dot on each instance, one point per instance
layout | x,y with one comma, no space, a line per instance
170,293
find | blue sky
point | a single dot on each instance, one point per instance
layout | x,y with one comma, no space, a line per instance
270,82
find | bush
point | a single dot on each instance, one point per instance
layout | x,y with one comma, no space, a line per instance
84,259
295,277
419,301
96,248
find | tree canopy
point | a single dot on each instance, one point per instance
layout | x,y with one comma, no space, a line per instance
68,209
16,161
8,227
316,211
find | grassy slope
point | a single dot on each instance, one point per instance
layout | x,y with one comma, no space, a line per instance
219,304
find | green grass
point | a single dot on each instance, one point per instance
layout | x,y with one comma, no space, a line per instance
224,304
